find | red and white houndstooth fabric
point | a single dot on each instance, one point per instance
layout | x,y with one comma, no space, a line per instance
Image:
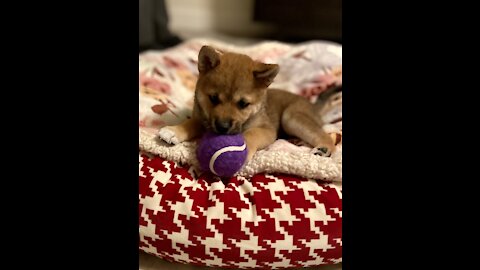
267,221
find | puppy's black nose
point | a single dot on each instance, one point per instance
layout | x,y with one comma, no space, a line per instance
223,126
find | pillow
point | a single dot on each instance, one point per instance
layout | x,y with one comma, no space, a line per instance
269,220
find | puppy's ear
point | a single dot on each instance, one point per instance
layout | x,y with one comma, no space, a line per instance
208,58
265,73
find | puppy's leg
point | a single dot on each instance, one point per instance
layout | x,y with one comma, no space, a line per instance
258,138
299,121
186,131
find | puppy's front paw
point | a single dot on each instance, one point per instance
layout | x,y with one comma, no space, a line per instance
323,151
168,135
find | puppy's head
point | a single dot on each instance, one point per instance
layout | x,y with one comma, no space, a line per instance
231,89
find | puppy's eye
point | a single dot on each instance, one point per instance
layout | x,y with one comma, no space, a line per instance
242,104
214,99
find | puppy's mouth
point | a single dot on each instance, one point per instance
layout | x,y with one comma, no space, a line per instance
229,132
224,130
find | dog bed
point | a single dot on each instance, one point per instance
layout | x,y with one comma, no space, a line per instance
283,209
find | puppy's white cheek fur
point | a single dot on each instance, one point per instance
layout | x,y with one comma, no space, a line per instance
249,113
253,110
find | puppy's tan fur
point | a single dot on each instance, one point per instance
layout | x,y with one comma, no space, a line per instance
232,89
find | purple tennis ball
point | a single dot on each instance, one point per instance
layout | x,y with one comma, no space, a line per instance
223,155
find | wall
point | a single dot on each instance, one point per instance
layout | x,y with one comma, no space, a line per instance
233,17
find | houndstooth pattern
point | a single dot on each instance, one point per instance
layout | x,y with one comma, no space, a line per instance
267,221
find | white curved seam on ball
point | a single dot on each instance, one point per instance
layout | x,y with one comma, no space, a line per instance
221,151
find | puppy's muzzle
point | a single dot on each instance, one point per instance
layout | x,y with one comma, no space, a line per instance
223,126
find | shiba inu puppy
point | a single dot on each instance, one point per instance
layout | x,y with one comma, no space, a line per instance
232,96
